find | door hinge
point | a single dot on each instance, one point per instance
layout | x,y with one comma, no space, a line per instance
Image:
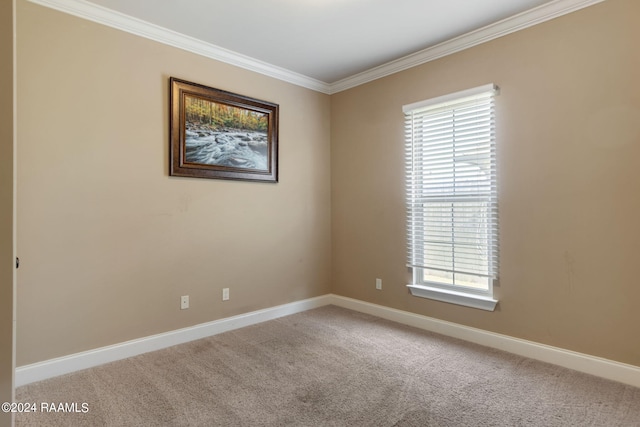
17,262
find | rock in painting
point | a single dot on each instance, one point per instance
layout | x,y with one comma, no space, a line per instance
237,149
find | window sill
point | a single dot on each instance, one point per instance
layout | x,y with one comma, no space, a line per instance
453,297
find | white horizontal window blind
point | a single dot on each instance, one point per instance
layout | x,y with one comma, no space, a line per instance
451,190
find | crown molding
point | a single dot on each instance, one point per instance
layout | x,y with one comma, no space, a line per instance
102,15
111,18
538,15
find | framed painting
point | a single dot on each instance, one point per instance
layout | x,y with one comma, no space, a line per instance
223,135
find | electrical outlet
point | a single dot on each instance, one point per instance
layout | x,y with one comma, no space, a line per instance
378,284
184,302
225,294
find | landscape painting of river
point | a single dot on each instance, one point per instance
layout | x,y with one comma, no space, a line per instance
217,134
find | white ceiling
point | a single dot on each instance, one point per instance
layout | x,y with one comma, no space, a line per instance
327,40
324,45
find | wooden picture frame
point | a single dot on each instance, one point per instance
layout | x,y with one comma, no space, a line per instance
221,135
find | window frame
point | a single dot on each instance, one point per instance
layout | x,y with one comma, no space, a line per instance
441,290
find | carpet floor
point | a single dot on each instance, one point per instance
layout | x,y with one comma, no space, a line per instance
330,367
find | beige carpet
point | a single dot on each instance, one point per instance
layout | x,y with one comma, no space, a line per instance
332,367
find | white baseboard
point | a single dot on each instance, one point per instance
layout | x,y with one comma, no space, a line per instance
616,371
87,359
604,368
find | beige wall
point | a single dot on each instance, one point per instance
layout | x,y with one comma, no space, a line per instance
108,241
569,148
6,207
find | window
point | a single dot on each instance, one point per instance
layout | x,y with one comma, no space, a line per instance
452,197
